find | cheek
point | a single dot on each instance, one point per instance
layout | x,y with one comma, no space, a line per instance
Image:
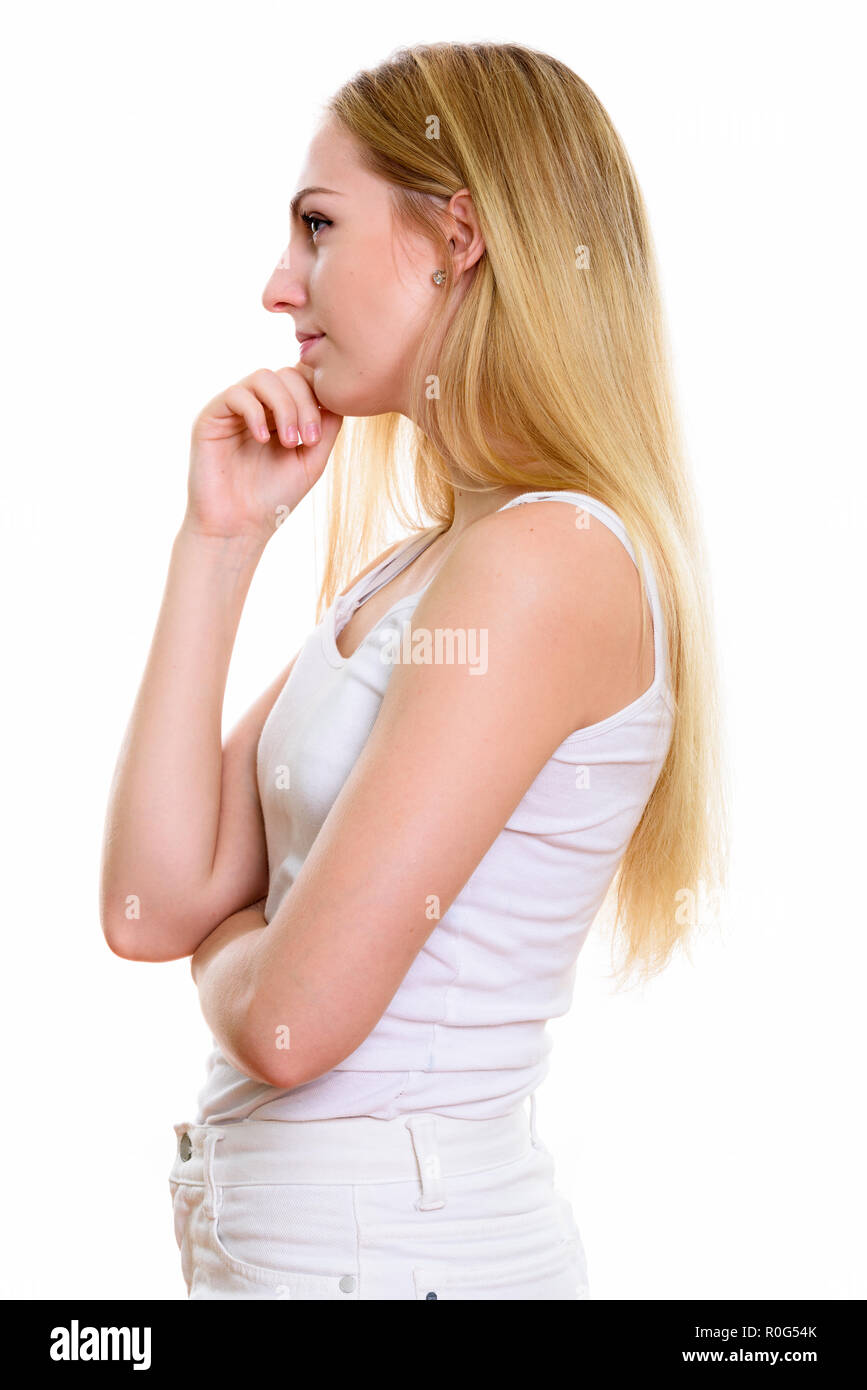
375,316
384,297
369,331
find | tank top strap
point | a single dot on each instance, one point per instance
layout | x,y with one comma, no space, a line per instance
578,499
586,503
383,573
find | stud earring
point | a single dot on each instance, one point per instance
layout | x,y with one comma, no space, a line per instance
438,277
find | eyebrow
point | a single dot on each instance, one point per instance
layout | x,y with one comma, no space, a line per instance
296,201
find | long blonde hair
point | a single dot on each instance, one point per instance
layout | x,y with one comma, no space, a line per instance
560,347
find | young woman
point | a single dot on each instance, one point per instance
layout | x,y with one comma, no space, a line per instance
386,873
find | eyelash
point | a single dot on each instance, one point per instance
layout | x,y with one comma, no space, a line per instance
308,217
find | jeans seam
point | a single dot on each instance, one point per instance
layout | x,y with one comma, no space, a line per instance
357,1237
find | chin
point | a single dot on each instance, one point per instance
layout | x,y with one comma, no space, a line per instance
346,402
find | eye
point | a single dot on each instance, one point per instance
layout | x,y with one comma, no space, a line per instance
309,218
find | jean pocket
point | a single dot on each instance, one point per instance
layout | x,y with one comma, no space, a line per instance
560,1273
239,1276
184,1199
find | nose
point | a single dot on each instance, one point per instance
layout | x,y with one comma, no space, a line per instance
284,291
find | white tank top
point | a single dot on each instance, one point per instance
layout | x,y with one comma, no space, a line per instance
465,1033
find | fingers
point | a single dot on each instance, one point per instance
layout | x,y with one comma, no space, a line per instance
286,397
244,403
291,401
303,369
307,407
268,389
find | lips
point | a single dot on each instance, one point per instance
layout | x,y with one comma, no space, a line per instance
308,342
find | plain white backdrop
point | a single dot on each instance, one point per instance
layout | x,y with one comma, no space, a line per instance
709,1129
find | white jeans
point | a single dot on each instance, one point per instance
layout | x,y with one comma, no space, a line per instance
421,1206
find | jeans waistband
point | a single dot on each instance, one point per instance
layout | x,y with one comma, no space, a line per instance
357,1149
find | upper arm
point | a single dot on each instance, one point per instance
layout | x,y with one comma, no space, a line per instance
240,872
449,758
239,875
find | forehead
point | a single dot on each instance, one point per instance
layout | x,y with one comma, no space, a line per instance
332,161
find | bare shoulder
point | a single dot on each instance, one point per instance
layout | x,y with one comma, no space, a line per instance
546,555
553,579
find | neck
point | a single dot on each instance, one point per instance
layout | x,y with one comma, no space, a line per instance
471,506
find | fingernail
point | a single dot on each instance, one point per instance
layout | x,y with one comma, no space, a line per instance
310,433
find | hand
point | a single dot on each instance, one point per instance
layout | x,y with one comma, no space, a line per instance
244,476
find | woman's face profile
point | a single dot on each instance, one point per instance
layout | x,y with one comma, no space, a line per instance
348,275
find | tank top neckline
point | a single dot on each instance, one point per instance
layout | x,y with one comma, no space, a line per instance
391,566
345,605
348,604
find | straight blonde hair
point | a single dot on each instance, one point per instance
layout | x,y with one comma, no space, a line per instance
560,347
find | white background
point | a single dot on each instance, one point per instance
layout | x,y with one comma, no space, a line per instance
709,1129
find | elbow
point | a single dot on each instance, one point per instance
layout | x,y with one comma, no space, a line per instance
274,1061
127,948
160,927
126,935
118,948
273,1067
284,1067
269,1071
157,929
285,1057
118,938
129,941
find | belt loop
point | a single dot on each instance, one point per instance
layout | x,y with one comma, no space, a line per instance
213,1195
534,1138
423,1132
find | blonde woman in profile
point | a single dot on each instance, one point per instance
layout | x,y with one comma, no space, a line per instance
504,723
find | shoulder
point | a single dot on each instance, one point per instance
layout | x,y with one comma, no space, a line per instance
544,559
558,596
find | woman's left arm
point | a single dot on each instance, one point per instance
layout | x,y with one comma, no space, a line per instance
223,968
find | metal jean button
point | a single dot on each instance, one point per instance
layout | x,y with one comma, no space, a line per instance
347,1284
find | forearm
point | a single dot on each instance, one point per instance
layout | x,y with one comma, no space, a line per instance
164,803
224,969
